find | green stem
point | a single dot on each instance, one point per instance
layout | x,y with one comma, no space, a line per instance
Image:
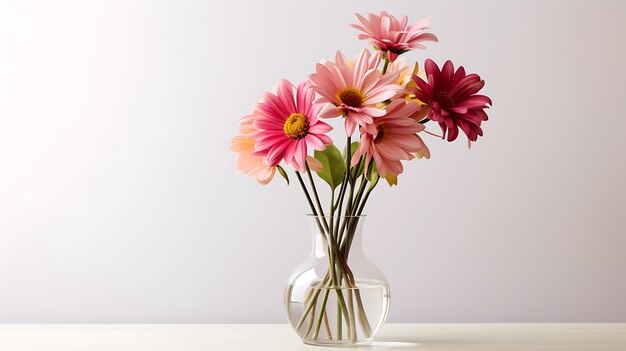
318,323
352,226
308,330
348,154
342,191
308,198
355,169
365,324
342,305
349,228
327,325
337,261
359,195
332,211
344,185
352,327
317,198
339,323
350,182
331,257
351,220
367,195
385,65
330,277
339,206
313,300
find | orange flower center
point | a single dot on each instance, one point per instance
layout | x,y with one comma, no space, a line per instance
352,97
296,126
444,99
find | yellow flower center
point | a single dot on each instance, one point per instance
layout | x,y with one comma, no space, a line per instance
296,126
352,97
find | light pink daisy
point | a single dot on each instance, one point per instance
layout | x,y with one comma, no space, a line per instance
247,162
353,88
390,139
391,35
288,125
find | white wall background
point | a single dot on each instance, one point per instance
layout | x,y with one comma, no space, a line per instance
119,201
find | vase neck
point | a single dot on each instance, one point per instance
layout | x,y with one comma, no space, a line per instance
347,236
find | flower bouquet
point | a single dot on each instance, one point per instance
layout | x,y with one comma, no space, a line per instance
338,296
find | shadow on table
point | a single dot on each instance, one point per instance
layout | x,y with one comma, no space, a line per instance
393,344
425,344
408,343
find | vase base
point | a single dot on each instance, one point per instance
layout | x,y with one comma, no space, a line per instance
338,343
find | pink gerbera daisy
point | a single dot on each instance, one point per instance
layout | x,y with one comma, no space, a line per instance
390,139
353,88
452,99
288,125
392,36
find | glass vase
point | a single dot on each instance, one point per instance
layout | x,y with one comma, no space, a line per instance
337,296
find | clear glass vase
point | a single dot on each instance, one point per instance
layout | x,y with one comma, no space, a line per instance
337,296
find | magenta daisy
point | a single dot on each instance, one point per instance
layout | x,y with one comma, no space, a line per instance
452,99
353,88
391,35
288,125
392,138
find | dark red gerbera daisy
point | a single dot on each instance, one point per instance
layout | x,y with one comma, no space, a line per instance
452,99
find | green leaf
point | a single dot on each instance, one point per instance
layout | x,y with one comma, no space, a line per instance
372,173
333,165
282,172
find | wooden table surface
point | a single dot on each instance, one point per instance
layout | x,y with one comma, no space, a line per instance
277,337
